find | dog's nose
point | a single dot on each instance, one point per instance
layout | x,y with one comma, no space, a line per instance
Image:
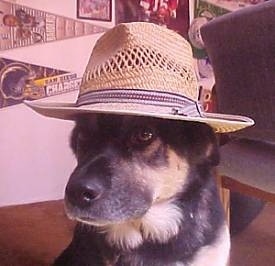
88,182
83,193
88,194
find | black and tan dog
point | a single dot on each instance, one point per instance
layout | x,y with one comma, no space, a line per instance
143,191
143,194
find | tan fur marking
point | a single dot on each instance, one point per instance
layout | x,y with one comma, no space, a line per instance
168,181
152,148
165,181
209,150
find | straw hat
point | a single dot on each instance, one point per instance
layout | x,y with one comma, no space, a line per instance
141,69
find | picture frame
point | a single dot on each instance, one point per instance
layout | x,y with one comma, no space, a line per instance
94,10
173,14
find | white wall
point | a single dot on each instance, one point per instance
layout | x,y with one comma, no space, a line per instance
35,160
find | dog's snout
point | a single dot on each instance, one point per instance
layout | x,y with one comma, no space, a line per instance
88,182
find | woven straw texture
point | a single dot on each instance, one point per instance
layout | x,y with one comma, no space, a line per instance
135,56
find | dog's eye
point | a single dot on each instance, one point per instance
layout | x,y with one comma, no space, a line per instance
142,136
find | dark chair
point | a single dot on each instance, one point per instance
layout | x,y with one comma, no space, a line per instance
241,48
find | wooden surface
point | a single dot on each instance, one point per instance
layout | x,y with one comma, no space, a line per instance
33,235
229,183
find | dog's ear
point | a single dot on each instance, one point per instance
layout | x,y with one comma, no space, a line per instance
196,141
203,143
81,124
73,139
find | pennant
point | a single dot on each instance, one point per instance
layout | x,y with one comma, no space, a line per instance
23,26
23,81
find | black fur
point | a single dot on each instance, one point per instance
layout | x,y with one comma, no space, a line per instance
112,137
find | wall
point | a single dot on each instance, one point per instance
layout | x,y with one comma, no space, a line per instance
35,160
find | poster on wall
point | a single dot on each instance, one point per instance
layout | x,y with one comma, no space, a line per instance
23,26
94,9
173,14
21,81
204,11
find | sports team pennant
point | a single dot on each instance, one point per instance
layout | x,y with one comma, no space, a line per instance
23,26
23,81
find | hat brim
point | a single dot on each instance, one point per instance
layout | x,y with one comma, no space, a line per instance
221,123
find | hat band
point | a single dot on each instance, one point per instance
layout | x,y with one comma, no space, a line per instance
180,105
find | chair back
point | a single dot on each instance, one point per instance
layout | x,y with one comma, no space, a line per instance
241,48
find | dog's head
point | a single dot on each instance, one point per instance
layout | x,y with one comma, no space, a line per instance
126,164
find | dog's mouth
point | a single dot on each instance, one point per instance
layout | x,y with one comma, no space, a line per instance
73,213
92,222
101,219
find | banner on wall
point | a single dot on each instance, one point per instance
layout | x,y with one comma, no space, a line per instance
23,81
23,26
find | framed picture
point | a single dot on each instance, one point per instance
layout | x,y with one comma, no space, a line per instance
173,14
94,9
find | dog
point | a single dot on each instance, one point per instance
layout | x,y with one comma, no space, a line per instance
143,193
